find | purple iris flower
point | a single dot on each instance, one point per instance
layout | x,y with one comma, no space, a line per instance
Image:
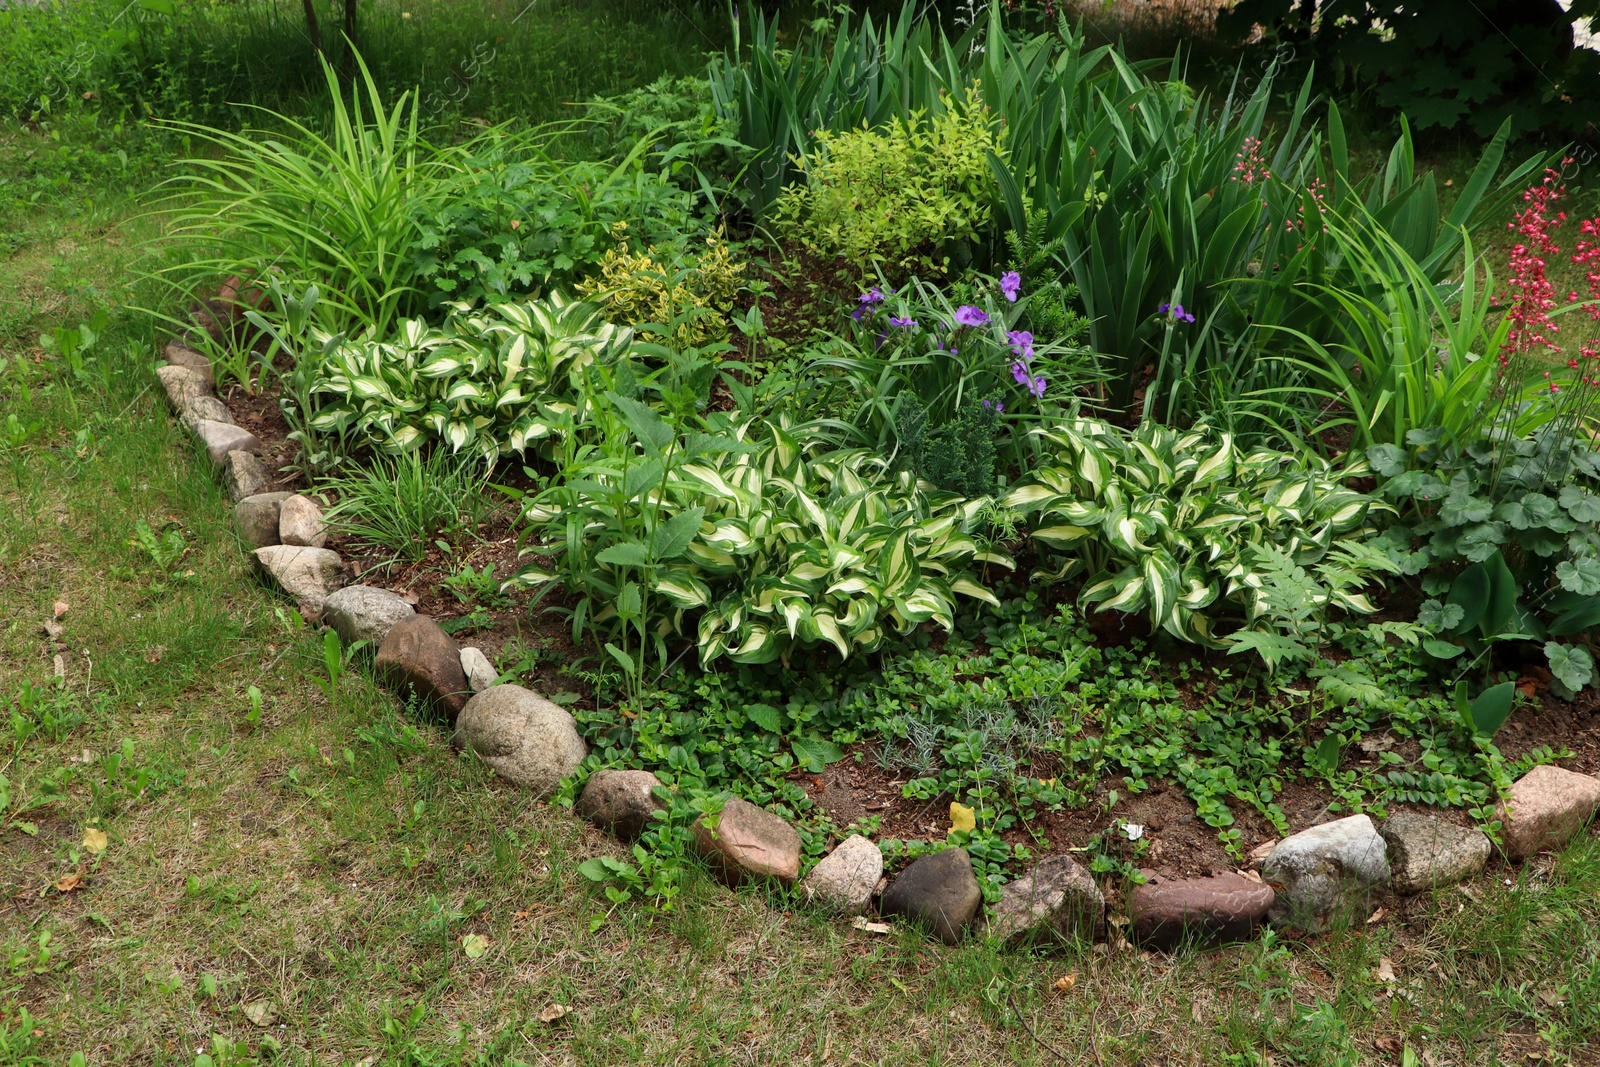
1011,285
995,406
872,296
902,323
1177,312
1036,387
1021,343
967,315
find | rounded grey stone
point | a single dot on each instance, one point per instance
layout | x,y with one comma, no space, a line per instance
1425,852
523,737
179,354
479,671
221,438
203,409
307,574
256,518
620,802
846,878
245,475
1324,875
300,522
937,890
364,613
182,385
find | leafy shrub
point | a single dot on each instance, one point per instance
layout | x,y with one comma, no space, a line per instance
1507,530
772,544
892,197
698,292
522,221
491,379
1174,522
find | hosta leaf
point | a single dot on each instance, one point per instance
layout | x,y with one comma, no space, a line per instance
760,645
897,566
968,587
1061,536
682,588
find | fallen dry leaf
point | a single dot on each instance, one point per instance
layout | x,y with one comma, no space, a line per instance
861,923
71,882
53,629
59,664
1385,970
1250,875
261,1012
154,653
1067,981
1377,916
1259,854
553,1012
474,945
94,839
61,608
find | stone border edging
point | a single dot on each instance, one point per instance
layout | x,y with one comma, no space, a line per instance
1312,880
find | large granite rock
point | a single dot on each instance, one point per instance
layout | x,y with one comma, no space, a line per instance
1056,902
418,659
200,409
748,843
364,613
1425,852
622,803
256,518
1546,809
1324,876
182,384
221,438
939,891
300,522
523,737
245,475
309,575
846,878
1165,912
179,354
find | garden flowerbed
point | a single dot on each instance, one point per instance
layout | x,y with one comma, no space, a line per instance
1082,523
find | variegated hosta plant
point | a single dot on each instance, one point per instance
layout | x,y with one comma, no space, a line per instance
792,547
1171,522
489,379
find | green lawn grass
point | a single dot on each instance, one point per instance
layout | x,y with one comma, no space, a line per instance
305,882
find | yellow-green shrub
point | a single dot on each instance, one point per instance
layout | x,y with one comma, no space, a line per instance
883,196
698,291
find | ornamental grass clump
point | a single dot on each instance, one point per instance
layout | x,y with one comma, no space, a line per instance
896,197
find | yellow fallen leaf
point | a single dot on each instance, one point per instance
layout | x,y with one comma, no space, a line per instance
553,1012
474,945
1067,981
962,817
94,839
70,882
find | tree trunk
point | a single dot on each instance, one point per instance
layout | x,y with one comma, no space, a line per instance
312,29
349,38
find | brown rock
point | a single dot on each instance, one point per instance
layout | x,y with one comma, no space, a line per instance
1224,907
938,890
620,802
748,843
421,660
1546,809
